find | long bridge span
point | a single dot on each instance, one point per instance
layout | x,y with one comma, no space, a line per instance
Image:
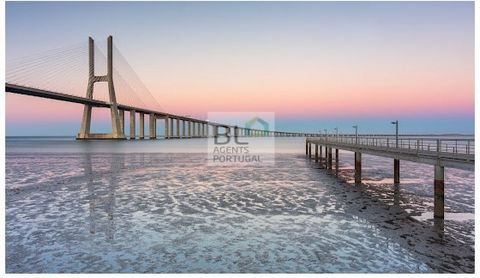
186,127
190,127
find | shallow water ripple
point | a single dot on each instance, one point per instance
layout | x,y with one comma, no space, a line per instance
171,213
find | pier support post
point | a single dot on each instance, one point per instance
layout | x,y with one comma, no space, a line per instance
336,160
358,167
309,150
329,158
152,125
306,147
439,195
189,129
316,153
142,126
396,171
320,154
132,124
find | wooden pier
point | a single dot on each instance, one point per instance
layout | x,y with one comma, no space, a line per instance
440,152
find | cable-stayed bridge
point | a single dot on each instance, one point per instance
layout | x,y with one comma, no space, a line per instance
61,74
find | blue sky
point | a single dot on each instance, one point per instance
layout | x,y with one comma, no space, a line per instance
316,65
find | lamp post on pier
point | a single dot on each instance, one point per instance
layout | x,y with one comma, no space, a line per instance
396,132
396,162
356,133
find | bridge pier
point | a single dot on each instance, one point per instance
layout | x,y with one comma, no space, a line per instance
152,126
358,167
117,131
316,153
177,120
439,195
132,124
142,126
167,128
184,135
189,129
122,120
396,171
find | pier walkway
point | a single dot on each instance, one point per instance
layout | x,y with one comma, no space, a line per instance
440,151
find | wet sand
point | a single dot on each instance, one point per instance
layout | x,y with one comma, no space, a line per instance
170,212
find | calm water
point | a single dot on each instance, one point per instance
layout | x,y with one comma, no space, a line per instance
155,206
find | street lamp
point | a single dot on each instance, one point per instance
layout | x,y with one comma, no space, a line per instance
396,132
356,133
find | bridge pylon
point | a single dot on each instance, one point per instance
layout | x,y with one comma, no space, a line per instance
117,132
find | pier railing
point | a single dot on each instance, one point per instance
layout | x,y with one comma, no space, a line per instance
440,145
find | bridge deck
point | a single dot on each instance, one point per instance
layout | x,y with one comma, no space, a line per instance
23,90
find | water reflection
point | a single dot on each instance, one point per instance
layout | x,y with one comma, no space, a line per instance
141,212
116,165
427,240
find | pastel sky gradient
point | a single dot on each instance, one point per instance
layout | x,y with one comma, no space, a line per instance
316,65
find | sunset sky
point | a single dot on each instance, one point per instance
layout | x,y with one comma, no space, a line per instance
316,65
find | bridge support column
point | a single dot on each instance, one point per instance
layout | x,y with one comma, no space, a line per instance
132,124
396,171
167,128
153,126
117,131
309,150
316,153
183,129
189,129
439,195
358,167
142,126
122,120
178,127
